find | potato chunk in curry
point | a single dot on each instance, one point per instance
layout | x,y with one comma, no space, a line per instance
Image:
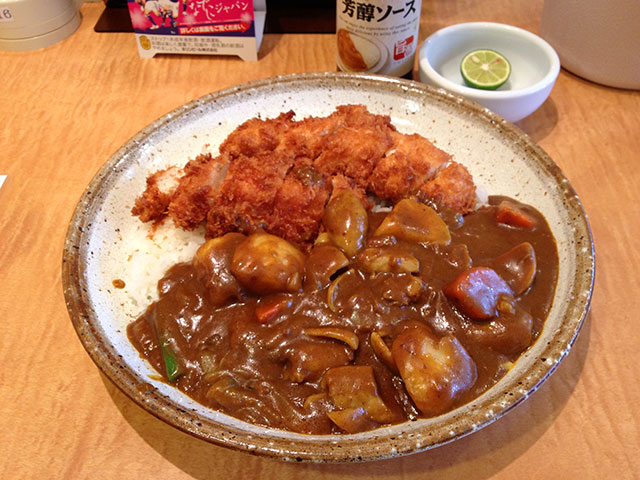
213,262
346,222
265,264
436,371
354,392
413,221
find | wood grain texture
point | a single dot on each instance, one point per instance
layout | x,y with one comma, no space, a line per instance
68,107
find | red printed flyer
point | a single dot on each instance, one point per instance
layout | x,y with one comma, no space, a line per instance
207,27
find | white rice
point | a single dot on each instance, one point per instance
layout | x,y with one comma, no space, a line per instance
150,252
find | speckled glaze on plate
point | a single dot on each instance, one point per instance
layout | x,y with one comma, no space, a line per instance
502,159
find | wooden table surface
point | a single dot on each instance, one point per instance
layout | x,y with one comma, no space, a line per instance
67,108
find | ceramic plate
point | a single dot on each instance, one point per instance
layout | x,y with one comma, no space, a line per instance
501,158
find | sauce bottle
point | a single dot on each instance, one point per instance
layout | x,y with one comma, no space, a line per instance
377,36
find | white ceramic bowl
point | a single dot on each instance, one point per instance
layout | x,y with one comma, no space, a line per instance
99,248
534,65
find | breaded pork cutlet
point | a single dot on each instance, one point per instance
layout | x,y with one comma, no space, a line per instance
153,203
193,198
278,174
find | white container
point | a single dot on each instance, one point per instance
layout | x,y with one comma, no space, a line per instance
32,24
379,36
595,39
535,65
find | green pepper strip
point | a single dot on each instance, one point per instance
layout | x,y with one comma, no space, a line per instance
171,364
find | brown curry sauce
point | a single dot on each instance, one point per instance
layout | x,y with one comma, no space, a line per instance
260,358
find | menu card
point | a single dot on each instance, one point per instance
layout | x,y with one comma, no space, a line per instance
206,27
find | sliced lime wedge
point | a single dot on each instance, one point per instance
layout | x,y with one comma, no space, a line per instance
485,69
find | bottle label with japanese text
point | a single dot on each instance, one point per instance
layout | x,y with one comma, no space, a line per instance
377,36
